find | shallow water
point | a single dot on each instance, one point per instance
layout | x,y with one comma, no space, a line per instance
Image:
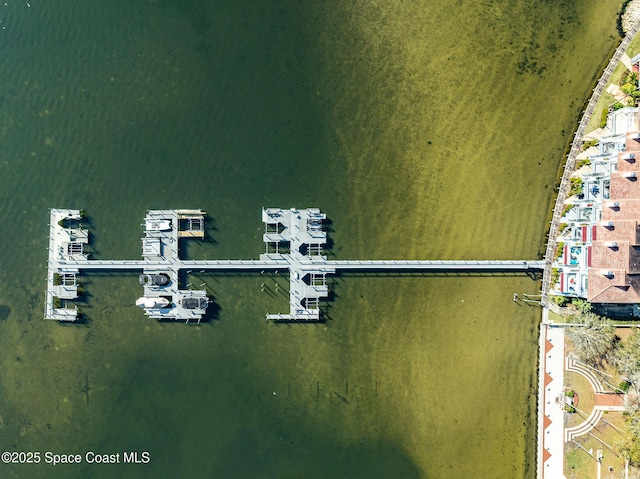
424,131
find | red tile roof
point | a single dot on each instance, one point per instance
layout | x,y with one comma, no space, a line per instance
623,286
627,208
624,188
605,399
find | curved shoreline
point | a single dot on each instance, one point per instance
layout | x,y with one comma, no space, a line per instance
551,366
569,167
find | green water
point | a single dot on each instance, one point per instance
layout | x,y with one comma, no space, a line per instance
424,130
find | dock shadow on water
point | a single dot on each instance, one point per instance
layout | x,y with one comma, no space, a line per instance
197,248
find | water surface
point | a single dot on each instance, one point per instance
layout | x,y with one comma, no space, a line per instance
431,130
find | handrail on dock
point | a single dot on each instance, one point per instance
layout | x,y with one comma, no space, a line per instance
252,264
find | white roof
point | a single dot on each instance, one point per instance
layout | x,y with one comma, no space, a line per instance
151,247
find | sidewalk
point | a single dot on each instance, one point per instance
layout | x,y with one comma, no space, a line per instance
550,413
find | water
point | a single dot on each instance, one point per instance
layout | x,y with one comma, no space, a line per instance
431,131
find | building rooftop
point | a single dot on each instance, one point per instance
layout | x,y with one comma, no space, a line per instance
614,275
599,257
623,120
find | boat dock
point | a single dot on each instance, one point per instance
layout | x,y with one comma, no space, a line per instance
293,239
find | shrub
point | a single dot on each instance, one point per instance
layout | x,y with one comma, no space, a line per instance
561,300
582,163
576,186
566,209
582,305
630,78
603,117
628,89
570,393
624,386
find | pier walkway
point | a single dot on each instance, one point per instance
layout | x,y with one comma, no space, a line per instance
345,265
435,265
293,241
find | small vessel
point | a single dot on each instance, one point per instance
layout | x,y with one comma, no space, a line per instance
152,303
194,303
160,279
157,225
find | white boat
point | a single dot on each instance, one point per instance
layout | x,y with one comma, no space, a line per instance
152,303
157,225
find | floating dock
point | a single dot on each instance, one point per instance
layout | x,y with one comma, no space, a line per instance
294,240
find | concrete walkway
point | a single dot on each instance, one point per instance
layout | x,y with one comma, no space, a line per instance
585,426
550,403
551,432
626,61
604,401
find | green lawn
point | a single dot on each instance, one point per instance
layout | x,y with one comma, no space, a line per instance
585,395
606,99
606,436
634,47
578,463
556,318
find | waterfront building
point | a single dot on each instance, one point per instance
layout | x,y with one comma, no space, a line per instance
598,256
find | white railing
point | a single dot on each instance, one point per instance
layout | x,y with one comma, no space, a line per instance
306,263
